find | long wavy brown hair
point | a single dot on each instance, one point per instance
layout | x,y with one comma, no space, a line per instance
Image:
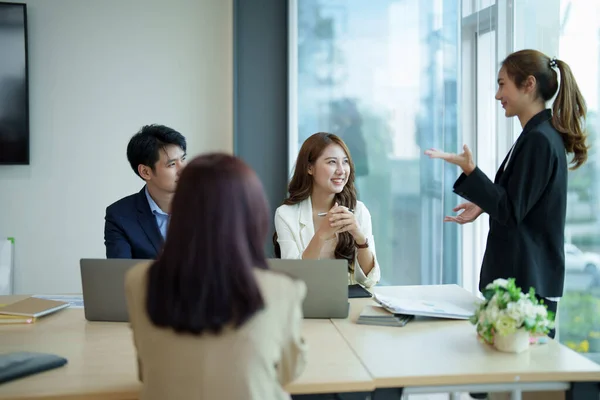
301,186
569,109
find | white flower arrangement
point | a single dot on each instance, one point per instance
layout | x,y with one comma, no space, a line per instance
506,309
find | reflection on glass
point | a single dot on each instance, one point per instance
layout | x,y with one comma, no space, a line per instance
579,309
472,6
383,75
481,4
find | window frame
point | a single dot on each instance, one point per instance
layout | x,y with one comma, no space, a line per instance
498,17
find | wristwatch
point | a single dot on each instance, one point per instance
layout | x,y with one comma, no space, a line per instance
362,246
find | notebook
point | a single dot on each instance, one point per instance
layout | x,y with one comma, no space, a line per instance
20,364
377,315
33,307
15,319
436,309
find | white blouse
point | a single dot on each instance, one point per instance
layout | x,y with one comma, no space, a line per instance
295,229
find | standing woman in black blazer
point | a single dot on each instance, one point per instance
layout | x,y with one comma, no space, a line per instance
527,200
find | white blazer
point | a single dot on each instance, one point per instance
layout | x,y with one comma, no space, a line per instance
295,229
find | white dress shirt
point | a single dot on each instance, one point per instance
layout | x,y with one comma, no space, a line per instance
295,229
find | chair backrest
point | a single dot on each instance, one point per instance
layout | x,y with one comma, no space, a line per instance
276,248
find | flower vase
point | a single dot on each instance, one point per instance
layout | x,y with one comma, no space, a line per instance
516,342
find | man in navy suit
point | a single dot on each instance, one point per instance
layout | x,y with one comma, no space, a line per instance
136,226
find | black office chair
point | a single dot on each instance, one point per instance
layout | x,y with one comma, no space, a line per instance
276,248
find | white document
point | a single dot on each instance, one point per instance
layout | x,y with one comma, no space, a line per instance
437,309
74,300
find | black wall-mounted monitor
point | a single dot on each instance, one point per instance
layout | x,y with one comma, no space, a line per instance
14,85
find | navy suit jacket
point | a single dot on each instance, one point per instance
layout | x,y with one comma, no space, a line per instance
130,229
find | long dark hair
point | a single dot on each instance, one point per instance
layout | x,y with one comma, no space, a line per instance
569,109
301,185
204,278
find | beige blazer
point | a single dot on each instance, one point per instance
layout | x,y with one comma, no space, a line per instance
295,229
253,362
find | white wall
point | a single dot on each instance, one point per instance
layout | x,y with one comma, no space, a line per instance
98,71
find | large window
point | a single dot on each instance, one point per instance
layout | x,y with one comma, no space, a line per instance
487,33
479,54
570,30
579,312
384,76
395,77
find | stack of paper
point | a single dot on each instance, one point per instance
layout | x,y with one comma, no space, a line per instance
436,309
377,315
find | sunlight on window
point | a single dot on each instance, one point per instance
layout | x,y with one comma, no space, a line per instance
579,312
384,75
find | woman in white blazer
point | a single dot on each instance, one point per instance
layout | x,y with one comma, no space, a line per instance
321,218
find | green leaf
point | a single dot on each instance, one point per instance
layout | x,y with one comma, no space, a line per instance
529,324
488,294
532,294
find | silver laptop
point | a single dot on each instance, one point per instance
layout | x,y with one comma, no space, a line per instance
103,285
326,283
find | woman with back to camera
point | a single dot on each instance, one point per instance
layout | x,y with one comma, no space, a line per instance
209,320
321,218
527,200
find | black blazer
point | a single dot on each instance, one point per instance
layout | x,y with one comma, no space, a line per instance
130,229
527,205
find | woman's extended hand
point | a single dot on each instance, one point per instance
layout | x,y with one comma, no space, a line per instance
463,160
470,213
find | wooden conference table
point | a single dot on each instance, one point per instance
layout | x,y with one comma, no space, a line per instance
425,356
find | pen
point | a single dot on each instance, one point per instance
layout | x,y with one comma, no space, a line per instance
324,214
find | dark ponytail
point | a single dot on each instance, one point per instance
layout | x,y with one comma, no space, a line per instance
569,109
568,115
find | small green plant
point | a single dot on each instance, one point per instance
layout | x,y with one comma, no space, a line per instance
506,309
